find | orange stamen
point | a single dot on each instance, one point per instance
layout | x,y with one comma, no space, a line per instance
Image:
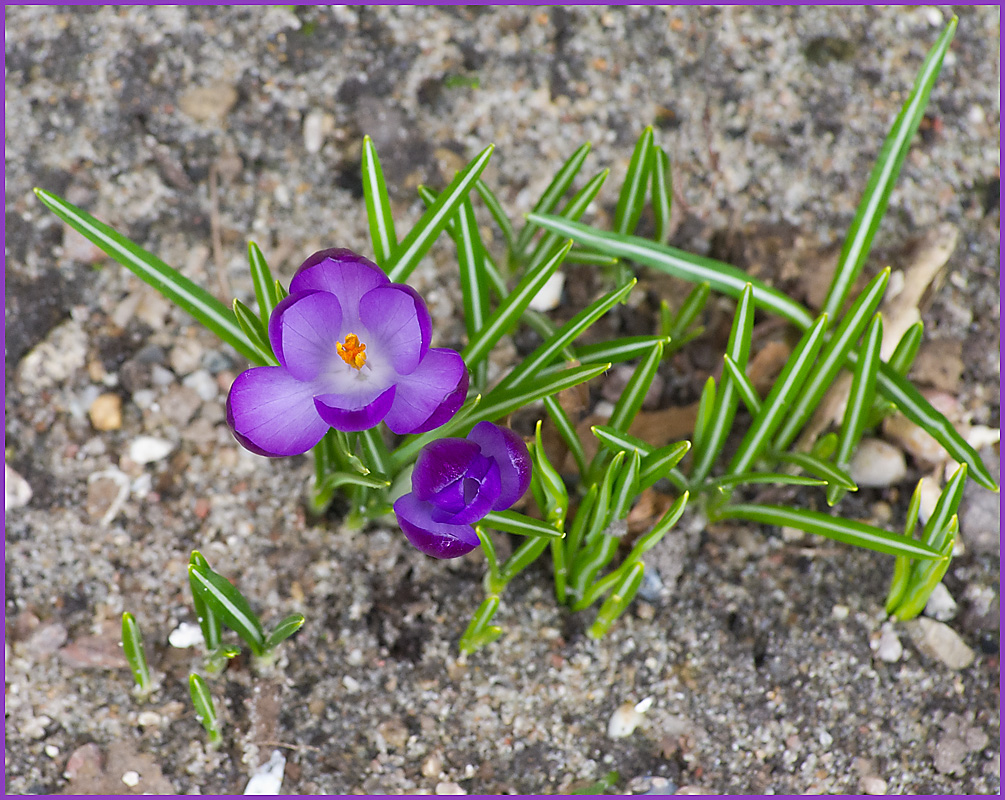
352,352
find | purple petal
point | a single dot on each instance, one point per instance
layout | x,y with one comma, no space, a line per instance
421,313
272,413
431,395
354,415
391,318
510,452
436,539
303,331
441,464
345,274
479,495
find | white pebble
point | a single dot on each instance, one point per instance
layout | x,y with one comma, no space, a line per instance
147,449
939,641
51,750
825,738
16,491
549,295
940,605
148,719
131,778
873,785
351,684
449,787
268,778
623,722
888,647
840,612
202,383
877,463
314,131
185,635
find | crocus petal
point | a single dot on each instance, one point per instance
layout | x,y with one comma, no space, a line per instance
303,330
272,413
390,317
431,395
436,539
421,313
440,465
509,451
354,416
344,274
479,493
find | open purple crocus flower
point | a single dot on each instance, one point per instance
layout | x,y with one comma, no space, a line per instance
456,482
354,350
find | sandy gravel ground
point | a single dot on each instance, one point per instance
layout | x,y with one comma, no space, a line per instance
193,129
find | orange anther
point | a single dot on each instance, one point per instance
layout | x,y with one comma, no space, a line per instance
352,352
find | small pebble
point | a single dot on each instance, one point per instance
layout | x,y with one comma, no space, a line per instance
86,759
549,295
949,755
148,449
268,778
432,766
148,719
351,684
185,635
106,412
16,491
185,357
888,647
939,641
314,131
840,612
914,440
131,778
930,491
626,718
872,785
877,463
202,383
941,605
792,534
449,787
51,750
651,588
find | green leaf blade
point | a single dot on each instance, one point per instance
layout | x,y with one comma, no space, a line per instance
633,192
418,241
264,283
720,276
880,184
842,530
230,605
378,206
193,299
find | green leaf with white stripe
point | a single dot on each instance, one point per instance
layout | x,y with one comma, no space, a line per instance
556,189
264,283
418,241
482,341
229,605
860,397
877,191
549,350
566,430
833,475
634,393
847,531
832,358
521,524
903,354
777,403
632,198
205,711
573,210
902,566
662,194
193,299
132,647
720,276
746,390
715,429
253,329
378,206
209,623
496,210
284,630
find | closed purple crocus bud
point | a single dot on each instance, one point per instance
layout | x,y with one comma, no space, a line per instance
456,482
353,350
